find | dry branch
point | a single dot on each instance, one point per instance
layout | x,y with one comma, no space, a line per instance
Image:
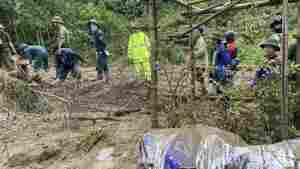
88,142
51,95
95,119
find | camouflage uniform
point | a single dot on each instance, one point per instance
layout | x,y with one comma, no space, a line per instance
61,34
201,58
6,61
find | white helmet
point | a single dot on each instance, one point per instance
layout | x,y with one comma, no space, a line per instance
1,26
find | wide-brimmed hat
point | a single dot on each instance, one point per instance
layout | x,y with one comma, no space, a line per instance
270,43
57,19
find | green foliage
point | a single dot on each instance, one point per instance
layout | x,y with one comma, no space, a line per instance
130,8
250,55
23,98
29,102
269,99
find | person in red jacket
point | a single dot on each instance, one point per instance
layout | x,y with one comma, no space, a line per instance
231,45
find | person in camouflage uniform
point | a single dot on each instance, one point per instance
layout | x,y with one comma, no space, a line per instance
61,34
200,53
6,50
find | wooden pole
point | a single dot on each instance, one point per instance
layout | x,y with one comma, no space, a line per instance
192,58
284,73
298,37
154,57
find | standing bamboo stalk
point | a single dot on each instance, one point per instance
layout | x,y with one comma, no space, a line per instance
298,39
154,59
284,74
192,59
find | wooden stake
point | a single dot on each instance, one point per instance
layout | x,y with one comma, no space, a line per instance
154,57
284,74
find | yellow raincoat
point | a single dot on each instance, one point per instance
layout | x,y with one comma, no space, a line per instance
139,48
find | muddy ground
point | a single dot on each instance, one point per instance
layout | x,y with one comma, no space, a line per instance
120,118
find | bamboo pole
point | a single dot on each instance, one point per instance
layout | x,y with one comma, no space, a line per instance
192,58
284,74
154,57
182,3
298,36
210,18
206,10
197,2
262,3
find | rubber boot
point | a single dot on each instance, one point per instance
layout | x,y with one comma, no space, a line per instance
99,76
107,77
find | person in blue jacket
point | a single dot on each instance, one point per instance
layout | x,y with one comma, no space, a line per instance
67,61
37,56
222,59
97,40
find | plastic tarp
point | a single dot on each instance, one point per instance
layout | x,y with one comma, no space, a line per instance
178,148
203,147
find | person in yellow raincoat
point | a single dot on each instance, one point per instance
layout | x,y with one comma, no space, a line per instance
139,51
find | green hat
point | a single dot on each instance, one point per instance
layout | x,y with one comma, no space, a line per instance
57,19
270,43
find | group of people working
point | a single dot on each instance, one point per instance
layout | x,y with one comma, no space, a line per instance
226,52
66,60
